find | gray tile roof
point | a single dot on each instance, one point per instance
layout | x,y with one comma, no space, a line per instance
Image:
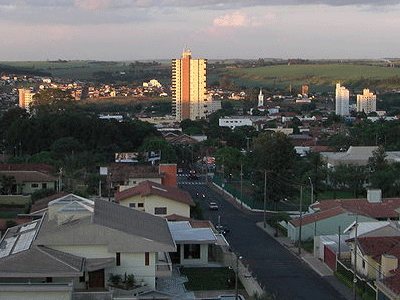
41,261
120,228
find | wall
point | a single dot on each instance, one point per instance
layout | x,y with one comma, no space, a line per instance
152,201
324,227
203,260
131,263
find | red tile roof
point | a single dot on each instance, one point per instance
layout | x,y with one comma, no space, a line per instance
393,282
315,217
146,188
376,246
26,167
380,210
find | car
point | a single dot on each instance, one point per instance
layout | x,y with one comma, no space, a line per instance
192,176
213,206
222,229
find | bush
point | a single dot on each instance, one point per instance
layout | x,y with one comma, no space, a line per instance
114,280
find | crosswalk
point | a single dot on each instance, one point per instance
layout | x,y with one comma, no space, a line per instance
191,182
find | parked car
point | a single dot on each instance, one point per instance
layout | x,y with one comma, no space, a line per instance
213,206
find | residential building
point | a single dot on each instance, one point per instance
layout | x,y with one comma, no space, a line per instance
25,97
366,102
324,222
77,245
27,182
189,87
342,100
233,122
356,155
156,199
193,244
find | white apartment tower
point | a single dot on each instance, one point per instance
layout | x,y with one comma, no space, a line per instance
261,98
189,76
366,102
342,100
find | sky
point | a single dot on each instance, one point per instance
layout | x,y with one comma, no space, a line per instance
212,29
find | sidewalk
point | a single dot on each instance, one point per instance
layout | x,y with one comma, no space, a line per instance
318,266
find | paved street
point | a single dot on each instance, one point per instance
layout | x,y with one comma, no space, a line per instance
275,268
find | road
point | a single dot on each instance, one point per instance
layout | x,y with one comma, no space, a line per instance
275,267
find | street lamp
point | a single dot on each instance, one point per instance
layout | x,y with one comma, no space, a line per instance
237,276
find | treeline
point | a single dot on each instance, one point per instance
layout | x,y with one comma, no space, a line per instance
4,69
54,136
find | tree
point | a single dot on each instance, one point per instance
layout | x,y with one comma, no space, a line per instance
7,184
231,158
51,101
274,153
168,153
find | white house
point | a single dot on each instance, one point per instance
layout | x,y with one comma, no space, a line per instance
78,246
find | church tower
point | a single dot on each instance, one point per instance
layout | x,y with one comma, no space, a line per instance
260,99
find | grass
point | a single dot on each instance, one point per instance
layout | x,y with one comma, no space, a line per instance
323,76
14,200
208,279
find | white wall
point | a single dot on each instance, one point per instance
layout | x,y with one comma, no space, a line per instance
131,263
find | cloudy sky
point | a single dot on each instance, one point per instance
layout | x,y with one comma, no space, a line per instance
213,29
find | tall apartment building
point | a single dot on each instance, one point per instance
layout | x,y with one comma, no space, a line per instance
189,99
342,100
25,97
366,102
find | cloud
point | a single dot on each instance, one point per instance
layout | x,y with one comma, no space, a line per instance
234,20
239,19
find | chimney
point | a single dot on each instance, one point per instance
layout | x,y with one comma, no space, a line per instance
374,195
171,174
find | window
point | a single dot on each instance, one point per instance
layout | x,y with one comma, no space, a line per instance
132,205
146,258
49,279
140,204
44,185
191,251
363,264
118,259
34,185
160,210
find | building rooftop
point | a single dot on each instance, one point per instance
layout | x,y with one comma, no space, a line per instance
146,188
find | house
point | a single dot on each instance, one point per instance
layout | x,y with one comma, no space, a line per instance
27,182
330,248
373,241
77,245
156,199
377,208
324,222
124,176
356,156
193,244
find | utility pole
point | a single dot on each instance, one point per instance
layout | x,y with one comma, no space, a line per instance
265,196
355,261
339,245
301,215
312,191
237,277
241,185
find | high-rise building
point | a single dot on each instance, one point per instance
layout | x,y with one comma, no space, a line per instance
366,102
342,100
25,97
189,76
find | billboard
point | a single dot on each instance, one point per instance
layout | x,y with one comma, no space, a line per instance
127,157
